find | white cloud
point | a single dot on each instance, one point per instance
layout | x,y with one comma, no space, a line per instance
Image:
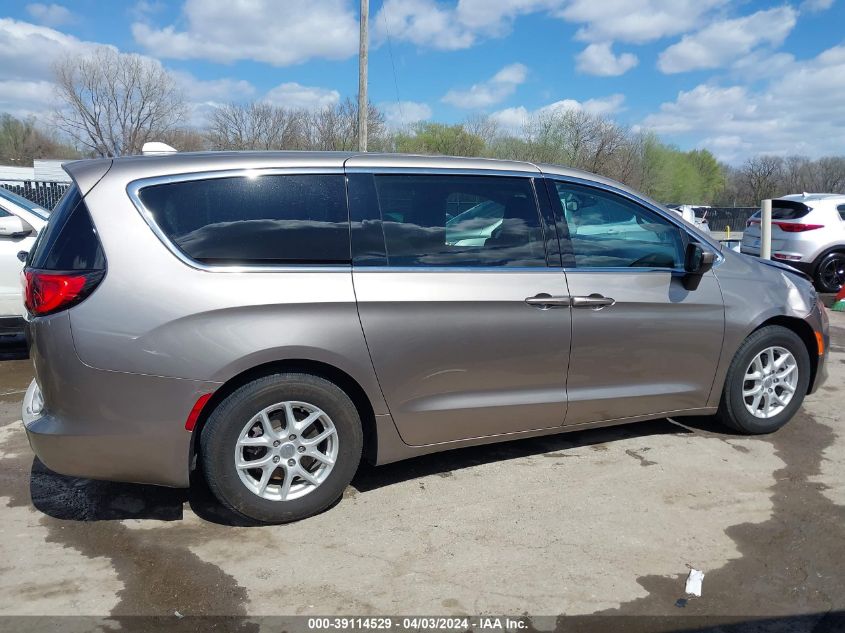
223,89
28,51
721,42
797,112
635,21
514,119
23,98
296,96
487,93
400,114
462,24
50,14
599,59
430,23
814,6
265,31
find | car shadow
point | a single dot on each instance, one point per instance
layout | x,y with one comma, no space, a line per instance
77,499
372,477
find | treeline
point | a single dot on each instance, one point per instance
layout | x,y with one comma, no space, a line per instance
22,141
110,104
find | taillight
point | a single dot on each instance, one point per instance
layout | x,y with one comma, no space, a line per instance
48,292
795,227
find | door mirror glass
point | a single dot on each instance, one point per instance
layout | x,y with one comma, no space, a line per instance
12,226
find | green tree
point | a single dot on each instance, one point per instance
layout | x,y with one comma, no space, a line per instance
440,139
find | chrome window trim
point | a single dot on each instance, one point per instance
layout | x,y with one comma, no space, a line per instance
643,203
457,269
134,188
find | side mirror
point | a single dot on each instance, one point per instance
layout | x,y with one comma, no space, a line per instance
12,226
697,261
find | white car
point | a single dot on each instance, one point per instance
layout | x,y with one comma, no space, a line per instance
687,212
20,223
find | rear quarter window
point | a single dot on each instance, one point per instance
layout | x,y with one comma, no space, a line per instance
69,241
264,220
841,209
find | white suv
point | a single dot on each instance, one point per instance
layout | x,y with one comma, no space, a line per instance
20,223
808,232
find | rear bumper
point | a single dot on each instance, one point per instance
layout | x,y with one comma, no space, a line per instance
103,424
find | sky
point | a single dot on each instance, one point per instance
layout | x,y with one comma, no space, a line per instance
737,77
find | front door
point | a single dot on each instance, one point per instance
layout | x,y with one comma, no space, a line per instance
641,343
461,344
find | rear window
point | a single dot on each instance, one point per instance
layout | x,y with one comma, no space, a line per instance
785,210
69,241
263,220
788,210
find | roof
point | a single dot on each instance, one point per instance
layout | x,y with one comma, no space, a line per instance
812,197
183,162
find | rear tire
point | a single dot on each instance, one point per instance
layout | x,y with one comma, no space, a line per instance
830,273
750,375
303,432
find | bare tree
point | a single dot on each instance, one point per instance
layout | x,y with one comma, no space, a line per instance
336,128
111,103
256,125
185,139
761,177
830,174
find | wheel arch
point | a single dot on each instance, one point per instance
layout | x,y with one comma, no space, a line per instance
331,373
805,332
836,248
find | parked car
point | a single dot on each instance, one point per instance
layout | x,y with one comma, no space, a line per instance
808,233
269,318
20,222
692,214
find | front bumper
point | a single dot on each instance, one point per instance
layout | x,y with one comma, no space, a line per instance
818,320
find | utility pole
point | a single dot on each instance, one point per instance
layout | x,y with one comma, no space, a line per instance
363,104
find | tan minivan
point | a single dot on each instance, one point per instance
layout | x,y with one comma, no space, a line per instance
271,318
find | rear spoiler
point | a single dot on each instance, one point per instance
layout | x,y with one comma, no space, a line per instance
87,173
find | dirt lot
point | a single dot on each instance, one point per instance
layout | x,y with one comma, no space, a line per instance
599,522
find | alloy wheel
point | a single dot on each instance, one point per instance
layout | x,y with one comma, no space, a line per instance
770,382
286,450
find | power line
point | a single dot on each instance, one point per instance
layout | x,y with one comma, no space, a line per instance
392,63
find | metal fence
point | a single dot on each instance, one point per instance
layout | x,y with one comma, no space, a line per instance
719,218
43,193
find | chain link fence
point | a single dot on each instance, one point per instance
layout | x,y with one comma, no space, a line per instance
43,193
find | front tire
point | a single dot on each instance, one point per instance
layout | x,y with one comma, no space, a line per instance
766,382
281,448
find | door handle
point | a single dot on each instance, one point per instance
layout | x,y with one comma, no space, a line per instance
545,301
595,301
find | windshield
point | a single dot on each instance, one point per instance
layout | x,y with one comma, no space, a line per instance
30,206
